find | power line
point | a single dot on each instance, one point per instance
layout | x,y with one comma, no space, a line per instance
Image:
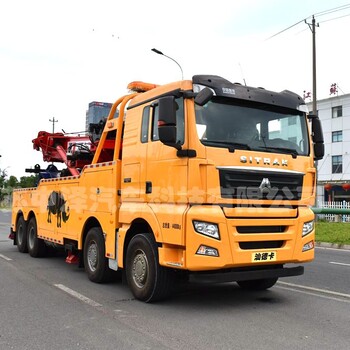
335,9
332,19
322,13
326,20
286,29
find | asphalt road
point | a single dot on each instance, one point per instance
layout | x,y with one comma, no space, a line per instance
48,304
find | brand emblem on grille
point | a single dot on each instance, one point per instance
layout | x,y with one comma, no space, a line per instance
263,160
265,185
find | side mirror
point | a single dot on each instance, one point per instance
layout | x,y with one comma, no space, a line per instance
318,151
317,138
203,97
317,133
167,121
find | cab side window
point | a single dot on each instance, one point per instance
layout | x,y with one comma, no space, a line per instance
145,124
155,118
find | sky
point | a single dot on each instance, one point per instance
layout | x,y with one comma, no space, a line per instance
57,56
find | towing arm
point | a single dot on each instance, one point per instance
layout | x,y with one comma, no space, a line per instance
73,150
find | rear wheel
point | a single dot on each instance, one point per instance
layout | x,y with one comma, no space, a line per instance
95,262
147,280
36,246
261,284
21,235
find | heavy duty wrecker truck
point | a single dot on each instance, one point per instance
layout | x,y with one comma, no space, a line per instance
202,178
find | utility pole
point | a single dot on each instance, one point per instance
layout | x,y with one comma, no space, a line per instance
312,27
53,121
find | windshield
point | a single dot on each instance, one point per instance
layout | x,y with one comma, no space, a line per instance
226,123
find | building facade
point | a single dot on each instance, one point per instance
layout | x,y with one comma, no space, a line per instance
98,111
333,171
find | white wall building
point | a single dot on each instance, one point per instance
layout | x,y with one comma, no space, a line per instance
333,171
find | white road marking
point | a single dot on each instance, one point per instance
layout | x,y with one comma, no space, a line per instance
312,289
77,295
5,257
314,294
338,263
336,249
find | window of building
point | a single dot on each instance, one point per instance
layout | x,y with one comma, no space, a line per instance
337,136
337,111
337,164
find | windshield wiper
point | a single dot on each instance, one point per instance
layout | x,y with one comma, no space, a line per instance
292,151
226,144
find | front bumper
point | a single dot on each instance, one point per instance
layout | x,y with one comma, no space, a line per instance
241,244
244,274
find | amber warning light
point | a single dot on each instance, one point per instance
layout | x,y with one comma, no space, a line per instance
139,86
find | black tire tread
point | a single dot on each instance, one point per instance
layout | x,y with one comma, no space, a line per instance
103,274
39,248
21,225
163,277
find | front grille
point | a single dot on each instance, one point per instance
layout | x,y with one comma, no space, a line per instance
261,245
260,229
255,184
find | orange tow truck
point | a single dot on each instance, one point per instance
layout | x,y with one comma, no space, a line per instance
200,177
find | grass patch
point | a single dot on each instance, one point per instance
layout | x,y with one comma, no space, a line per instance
333,232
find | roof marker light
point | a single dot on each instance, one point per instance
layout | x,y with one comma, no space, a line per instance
139,86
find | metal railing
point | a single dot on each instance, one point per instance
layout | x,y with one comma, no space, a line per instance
333,211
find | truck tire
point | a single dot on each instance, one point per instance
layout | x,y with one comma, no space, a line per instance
147,280
95,262
262,284
21,235
36,246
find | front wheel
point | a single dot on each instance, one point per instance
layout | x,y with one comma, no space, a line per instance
147,280
261,284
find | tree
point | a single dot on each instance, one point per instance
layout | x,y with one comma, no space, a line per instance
28,181
3,175
12,182
8,184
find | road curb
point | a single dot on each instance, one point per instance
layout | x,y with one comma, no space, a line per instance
332,245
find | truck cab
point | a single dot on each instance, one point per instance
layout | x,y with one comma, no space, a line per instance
227,172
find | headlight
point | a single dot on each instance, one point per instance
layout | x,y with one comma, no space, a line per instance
207,229
307,227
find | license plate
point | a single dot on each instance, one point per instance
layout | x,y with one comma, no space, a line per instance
264,256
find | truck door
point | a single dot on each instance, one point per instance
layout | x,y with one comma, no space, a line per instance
166,177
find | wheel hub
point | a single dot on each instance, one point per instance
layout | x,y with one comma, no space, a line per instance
92,256
140,269
20,235
31,238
